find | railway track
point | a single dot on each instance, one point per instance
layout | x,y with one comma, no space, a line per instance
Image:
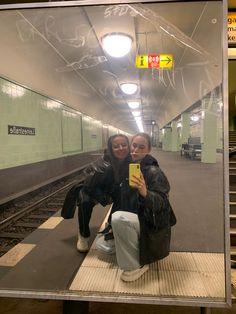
27,216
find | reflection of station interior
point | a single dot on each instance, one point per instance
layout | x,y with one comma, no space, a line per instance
48,260
61,101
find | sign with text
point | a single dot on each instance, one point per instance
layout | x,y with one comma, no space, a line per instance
232,28
20,130
154,61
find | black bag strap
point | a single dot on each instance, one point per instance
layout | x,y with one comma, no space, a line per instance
106,230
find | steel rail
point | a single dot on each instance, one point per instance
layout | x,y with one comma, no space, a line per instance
4,223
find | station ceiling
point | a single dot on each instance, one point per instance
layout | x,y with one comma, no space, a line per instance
58,52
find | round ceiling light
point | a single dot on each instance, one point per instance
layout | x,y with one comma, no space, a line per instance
136,113
194,118
133,104
129,88
117,45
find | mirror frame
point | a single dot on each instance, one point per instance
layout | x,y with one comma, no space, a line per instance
151,300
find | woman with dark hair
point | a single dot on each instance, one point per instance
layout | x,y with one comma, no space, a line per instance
99,185
142,215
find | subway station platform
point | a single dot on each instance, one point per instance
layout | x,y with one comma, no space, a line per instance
47,263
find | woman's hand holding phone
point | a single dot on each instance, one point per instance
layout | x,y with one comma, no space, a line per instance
139,183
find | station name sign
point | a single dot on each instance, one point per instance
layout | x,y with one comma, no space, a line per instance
231,28
20,130
155,61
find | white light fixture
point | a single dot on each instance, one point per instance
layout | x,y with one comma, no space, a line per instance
117,45
195,118
133,104
136,113
139,124
129,88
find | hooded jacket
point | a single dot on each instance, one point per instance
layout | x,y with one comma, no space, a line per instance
95,186
155,213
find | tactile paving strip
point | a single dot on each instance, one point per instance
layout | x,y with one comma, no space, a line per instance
182,274
178,261
12,257
51,223
95,279
209,262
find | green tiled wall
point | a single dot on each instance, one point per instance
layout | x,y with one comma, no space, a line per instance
71,131
58,129
92,134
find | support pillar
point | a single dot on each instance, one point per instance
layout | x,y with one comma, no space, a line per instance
174,137
185,129
209,130
166,139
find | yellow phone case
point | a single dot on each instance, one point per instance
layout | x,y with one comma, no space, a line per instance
134,169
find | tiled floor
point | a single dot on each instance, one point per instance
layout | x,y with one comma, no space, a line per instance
181,274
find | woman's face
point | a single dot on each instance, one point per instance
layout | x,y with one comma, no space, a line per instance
139,148
120,147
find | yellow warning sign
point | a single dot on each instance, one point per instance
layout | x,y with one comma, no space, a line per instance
154,61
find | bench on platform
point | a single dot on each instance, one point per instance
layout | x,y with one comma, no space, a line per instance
192,149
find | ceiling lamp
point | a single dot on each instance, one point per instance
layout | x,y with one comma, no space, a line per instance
129,88
133,104
139,124
136,113
195,118
117,45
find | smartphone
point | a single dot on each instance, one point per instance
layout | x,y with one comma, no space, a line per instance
134,169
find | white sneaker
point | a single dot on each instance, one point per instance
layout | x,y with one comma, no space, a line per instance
106,246
133,275
82,244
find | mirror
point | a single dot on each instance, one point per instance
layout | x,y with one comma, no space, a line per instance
55,65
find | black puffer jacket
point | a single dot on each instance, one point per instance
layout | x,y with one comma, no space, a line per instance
98,180
96,186
155,213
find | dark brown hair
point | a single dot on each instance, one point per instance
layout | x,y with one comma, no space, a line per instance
115,162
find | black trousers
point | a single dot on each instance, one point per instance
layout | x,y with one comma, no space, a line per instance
85,209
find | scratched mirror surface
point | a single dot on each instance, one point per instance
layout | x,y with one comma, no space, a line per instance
65,83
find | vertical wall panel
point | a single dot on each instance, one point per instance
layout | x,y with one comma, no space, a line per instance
92,134
71,131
